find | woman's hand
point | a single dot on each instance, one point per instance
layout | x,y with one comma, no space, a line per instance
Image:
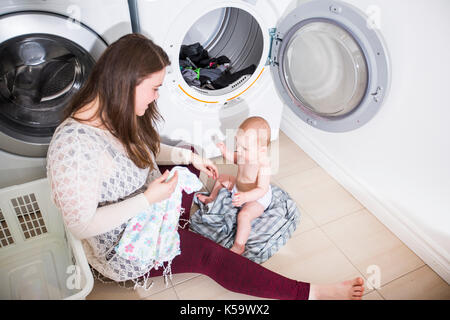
159,190
205,165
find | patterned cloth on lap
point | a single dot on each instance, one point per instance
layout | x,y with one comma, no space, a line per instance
218,222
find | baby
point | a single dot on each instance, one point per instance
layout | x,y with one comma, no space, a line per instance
251,187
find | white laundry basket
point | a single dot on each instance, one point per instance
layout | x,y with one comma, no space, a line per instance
39,258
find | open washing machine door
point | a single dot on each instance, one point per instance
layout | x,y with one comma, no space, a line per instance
329,65
44,59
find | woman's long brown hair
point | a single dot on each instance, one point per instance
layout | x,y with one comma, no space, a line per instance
113,80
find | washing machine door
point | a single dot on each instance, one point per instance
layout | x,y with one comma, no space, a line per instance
44,59
329,65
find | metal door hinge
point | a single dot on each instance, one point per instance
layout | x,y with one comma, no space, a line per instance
274,42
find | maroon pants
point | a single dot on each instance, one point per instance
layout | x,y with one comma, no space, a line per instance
232,271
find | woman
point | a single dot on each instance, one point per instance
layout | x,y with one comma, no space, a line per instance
102,169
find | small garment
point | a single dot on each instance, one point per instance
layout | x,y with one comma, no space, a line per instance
228,78
152,236
196,53
201,76
223,67
191,77
211,74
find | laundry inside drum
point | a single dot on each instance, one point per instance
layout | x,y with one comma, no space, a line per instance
221,51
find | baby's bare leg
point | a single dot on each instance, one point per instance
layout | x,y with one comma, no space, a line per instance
222,181
249,212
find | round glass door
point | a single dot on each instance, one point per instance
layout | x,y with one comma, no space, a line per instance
325,69
329,65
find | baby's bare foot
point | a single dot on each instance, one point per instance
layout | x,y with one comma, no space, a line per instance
239,249
203,198
346,290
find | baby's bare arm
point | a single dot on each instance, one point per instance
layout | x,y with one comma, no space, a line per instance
263,182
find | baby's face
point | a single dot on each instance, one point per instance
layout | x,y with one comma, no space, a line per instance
247,147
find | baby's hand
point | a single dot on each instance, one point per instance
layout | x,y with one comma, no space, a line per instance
239,199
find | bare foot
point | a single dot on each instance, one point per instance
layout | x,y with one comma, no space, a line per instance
346,290
203,198
239,249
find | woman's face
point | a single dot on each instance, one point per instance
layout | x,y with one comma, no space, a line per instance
147,91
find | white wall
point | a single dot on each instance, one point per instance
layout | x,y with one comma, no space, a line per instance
398,165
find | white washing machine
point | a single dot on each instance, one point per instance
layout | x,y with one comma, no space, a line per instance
321,58
47,49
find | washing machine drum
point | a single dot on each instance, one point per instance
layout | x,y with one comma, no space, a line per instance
39,73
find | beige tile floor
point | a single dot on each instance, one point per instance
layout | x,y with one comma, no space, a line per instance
337,239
